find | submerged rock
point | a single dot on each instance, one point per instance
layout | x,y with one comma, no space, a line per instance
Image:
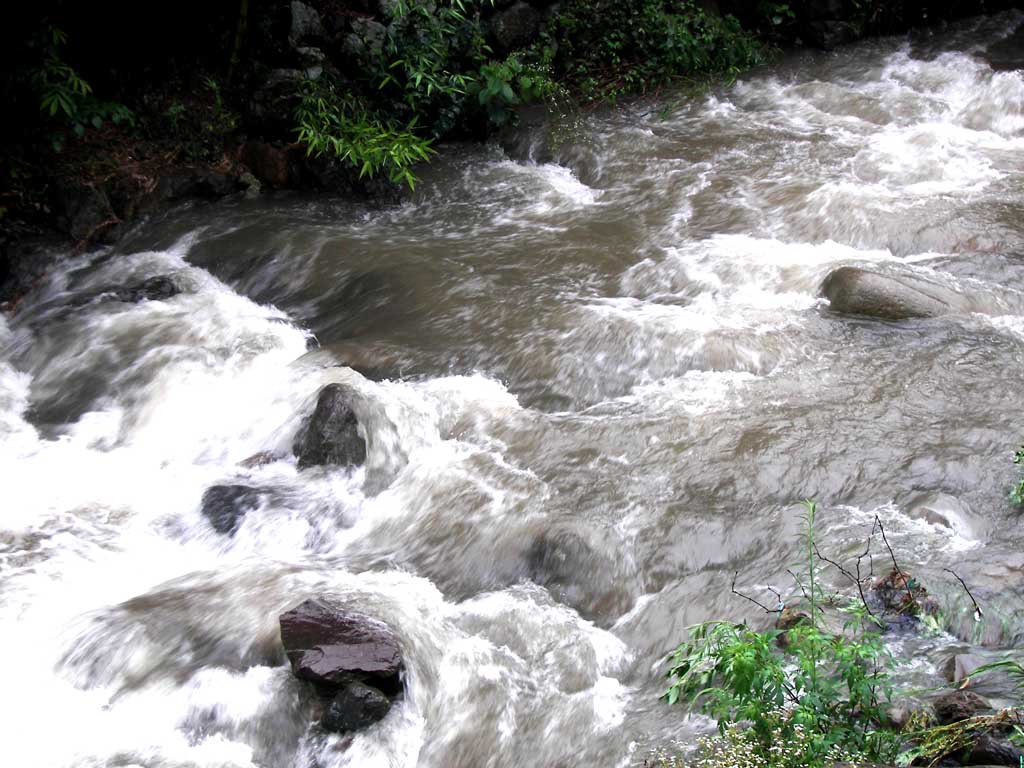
225,506
356,706
855,291
577,574
334,647
330,435
158,288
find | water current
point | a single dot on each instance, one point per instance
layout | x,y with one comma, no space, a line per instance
594,380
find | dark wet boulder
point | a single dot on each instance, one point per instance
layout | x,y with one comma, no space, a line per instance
269,163
855,291
990,749
86,213
159,288
355,706
514,27
959,705
333,647
306,23
829,34
225,506
330,435
24,263
180,185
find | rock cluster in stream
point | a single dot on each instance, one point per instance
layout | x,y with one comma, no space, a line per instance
354,662
329,436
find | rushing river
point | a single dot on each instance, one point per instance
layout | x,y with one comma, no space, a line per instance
592,388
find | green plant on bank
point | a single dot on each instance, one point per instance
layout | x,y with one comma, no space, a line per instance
427,78
606,49
197,122
775,13
503,85
331,123
66,97
429,73
1017,492
428,58
820,700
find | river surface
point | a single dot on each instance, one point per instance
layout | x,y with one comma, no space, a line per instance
594,382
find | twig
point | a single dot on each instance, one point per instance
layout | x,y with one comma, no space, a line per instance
906,581
977,608
763,607
796,580
855,579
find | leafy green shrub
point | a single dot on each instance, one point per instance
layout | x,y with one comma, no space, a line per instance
64,95
333,124
502,85
429,77
775,13
429,56
820,700
1017,492
605,49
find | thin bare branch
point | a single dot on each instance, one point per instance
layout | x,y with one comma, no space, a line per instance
760,605
855,579
796,580
977,608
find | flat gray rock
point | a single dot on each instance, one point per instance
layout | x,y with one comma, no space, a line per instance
856,291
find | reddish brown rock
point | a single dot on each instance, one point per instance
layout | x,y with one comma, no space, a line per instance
959,705
268,163
332,647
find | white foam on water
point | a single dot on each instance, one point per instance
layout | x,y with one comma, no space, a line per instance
696,392
916,537
551,190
